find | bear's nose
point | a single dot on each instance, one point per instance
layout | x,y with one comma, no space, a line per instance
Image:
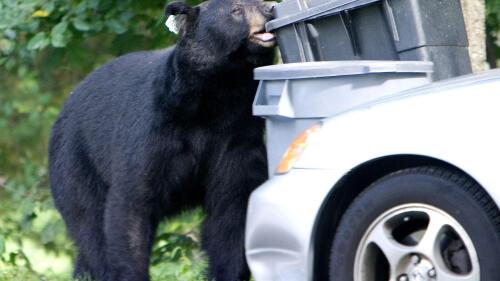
269,9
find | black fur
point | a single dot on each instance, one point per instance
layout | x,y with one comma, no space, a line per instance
153,133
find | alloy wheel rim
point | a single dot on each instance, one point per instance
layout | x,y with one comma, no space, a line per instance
416,242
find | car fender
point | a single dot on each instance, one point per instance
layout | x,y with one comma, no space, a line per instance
454,125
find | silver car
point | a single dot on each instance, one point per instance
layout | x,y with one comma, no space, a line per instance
406,188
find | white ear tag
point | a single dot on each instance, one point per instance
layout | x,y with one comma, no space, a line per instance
173,24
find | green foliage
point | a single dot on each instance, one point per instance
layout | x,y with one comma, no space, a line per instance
493,14
493,24
29,27
176,254
46,47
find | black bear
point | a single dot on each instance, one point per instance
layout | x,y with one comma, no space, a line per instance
153,133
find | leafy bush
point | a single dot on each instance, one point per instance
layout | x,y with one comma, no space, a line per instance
492,30
46,47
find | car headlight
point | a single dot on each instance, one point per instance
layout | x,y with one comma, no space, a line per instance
296,149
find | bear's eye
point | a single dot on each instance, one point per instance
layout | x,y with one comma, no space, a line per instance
237,9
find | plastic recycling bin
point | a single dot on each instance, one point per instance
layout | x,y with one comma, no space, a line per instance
328,30
292,97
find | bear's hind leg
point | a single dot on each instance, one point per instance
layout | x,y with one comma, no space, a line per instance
89,237
223,239
79,195
130,227
82,270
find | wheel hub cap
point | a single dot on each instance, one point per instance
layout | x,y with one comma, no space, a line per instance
415,242
420,271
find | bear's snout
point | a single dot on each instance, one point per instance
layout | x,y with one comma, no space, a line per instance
257,17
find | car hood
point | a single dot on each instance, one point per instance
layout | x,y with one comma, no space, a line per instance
466,81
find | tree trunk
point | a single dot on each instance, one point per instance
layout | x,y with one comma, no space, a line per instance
474,15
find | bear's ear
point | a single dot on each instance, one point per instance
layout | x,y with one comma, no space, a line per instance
180,8
186,15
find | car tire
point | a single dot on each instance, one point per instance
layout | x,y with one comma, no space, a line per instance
422,223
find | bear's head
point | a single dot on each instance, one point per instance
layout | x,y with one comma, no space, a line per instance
226,29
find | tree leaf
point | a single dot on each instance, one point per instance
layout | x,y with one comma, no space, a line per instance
48,233
59,28
6,46
40,14
10,34
2,245
96,25
93,4
39,41
81,24
60,35
176,254
116,26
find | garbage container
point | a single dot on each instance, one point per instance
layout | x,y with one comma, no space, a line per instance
328,30
292,97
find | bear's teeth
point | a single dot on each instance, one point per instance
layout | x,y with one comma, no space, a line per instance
264,36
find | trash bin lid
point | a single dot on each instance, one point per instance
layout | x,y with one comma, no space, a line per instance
290,12
338,68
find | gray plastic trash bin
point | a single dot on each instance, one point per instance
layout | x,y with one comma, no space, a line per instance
292,97
327,30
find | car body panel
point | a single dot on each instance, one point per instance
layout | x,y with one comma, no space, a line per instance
455,125
453,121
278,231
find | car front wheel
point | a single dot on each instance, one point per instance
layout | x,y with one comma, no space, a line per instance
420,224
